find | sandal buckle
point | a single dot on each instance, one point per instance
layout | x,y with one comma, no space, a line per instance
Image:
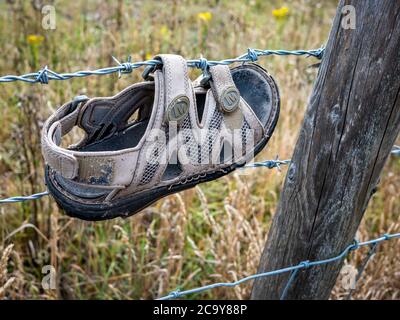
147,73
78,100
205,81
230,99
178,109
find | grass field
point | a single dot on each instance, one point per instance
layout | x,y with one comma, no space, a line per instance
214,232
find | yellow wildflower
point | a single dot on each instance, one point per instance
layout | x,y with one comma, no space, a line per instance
281,12
164,31
34,40
149,56
204,16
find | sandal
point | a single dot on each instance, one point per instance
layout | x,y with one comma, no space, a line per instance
183,134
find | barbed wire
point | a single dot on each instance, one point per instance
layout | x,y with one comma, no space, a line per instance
294,269
269,164
44,75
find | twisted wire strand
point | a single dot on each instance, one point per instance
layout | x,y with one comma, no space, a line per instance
44,75
302,265
35,196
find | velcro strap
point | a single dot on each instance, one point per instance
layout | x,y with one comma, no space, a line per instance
102,168
178,90
225,92
58,125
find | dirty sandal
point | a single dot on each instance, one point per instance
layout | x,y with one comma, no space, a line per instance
183,134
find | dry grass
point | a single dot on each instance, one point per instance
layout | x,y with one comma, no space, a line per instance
5,280
214,232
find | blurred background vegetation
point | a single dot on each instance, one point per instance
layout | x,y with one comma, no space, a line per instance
214,232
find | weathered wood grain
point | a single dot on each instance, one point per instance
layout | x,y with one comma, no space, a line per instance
350,126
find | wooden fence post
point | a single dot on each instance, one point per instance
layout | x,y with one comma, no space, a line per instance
349,129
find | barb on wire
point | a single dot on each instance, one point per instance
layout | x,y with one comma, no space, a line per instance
301,265
24,198
270,164
45,75
276,163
